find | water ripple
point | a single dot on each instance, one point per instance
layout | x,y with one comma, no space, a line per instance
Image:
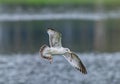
30,69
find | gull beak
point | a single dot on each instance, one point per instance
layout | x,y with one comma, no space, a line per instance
70,52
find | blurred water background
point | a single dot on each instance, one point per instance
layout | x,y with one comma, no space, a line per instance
90,30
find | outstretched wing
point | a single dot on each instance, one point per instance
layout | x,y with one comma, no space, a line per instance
75,61
54,38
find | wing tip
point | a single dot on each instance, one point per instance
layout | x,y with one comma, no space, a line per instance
84,71
51,29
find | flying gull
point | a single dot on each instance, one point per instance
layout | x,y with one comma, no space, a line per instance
57,49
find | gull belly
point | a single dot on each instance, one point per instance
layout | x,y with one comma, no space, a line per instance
57,51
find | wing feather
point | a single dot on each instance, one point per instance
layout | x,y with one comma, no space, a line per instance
75,61
54,38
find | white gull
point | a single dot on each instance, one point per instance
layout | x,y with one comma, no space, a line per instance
56,48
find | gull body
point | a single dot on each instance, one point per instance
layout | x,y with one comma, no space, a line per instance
58,51
56,48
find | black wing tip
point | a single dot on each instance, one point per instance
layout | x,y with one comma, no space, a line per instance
83,71
51,29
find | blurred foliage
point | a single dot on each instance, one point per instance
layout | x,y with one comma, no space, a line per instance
60,2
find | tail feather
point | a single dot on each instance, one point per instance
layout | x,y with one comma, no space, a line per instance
42,50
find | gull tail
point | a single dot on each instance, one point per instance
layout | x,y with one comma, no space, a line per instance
43,47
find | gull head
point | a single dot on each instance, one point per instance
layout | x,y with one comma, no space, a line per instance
67,50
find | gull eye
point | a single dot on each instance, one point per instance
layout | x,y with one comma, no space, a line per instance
67,49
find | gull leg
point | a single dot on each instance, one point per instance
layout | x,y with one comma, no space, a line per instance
51,60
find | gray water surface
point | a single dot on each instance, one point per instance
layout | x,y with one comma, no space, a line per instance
31,69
